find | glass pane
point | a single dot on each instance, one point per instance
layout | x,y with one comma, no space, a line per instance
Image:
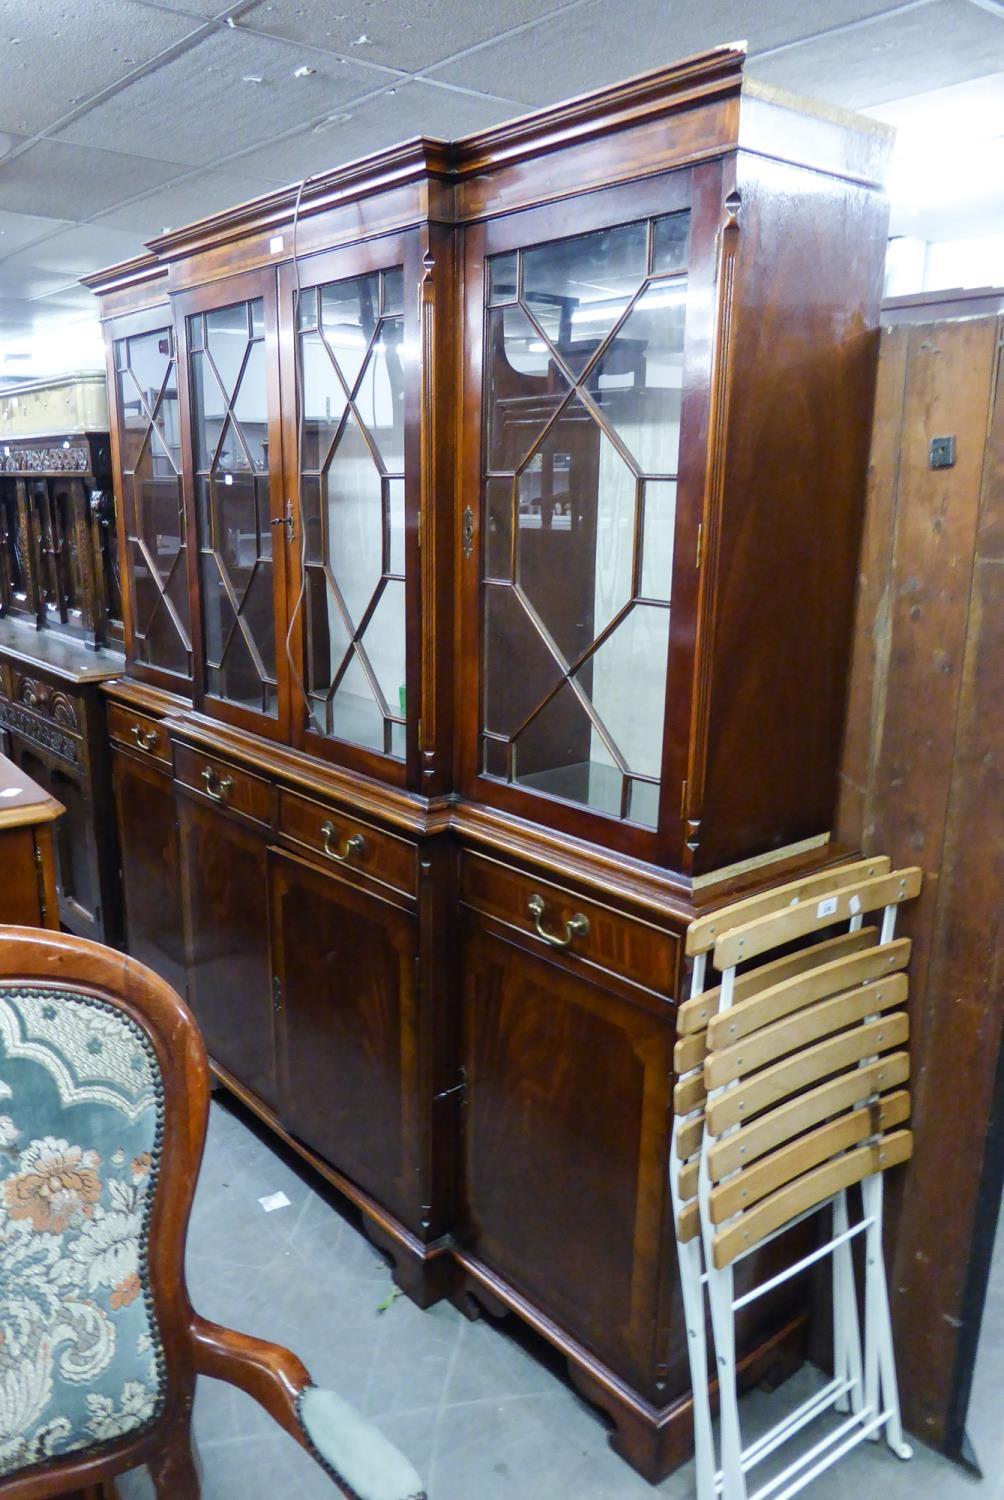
355,714
149,358
671,243
498,529
393,291
643,803
384,643
398,741
257,308
495,758
354,519
238,678
625,681
396,525
218,612
324,403
256,613
502,271
159,522
237,528
553,755
350,311
519,669
578,288
658,535
310,520
227,341
251,408
576,524
328,638
525,387
308,307
145,592
209,411
638,380
163,646
380,397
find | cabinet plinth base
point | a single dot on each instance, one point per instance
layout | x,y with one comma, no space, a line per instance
654,1440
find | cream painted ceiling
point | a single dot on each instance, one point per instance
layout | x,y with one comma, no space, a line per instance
119,118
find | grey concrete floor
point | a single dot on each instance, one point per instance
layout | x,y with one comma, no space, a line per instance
477,1411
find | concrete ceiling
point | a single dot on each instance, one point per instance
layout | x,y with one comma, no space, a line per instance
119,118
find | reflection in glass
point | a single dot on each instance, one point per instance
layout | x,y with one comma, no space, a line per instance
150,447
230,418
583,385
353,508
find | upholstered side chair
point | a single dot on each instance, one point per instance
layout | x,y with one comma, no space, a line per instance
104,1096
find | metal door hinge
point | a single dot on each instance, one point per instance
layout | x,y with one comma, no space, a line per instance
700,544
276,993
43,910
468,531
458,1088
683,800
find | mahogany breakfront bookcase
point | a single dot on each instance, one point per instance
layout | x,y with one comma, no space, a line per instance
489,582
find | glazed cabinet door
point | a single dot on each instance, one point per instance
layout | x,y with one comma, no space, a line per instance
352,375
564,1156
345,961
151,884
146,441
234,483
582,484
225,906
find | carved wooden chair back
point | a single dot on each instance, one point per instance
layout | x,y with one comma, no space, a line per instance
104,1091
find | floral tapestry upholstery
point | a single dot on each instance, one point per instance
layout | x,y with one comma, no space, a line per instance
81,1118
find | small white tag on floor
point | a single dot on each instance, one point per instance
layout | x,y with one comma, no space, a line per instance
274,1200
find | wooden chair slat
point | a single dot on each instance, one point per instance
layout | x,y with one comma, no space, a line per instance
689,1094
695,1014
704,932
688,1137
792,994
802,1029
825,909
689,1052
779,1082
687,1187
789,1120
753,1183
809,1191
689,1225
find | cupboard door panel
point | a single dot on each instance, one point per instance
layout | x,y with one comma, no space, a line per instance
148,842
564,1157
224,873
345,960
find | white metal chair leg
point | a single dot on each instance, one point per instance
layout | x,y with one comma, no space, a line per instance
882,1390
846,1330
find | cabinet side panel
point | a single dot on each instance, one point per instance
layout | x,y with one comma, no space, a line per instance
776,633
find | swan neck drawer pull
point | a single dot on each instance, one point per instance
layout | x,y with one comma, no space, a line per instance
223,787
577,926
146,739
354,844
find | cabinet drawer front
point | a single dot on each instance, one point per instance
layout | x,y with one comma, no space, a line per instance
561,921
223,783
139,732
347,844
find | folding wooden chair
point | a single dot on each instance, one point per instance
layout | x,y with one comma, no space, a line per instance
772,1009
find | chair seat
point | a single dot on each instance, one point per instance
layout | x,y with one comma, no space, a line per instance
80,1126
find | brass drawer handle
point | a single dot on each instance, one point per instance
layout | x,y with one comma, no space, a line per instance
224,785
354,844
146,739
577,926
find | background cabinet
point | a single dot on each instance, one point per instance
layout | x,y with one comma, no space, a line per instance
151,872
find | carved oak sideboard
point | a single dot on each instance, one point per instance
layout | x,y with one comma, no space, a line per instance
60,637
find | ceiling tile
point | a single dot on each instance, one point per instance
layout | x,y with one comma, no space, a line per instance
54,54
74,181
591,45
22,229
412,109
77,250
199,107
19,277
945,42
399,36
195,197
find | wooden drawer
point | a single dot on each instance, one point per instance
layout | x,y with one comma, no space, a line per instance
571,924
230,786
139,732
380,855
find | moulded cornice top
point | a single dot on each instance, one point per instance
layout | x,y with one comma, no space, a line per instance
713,77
